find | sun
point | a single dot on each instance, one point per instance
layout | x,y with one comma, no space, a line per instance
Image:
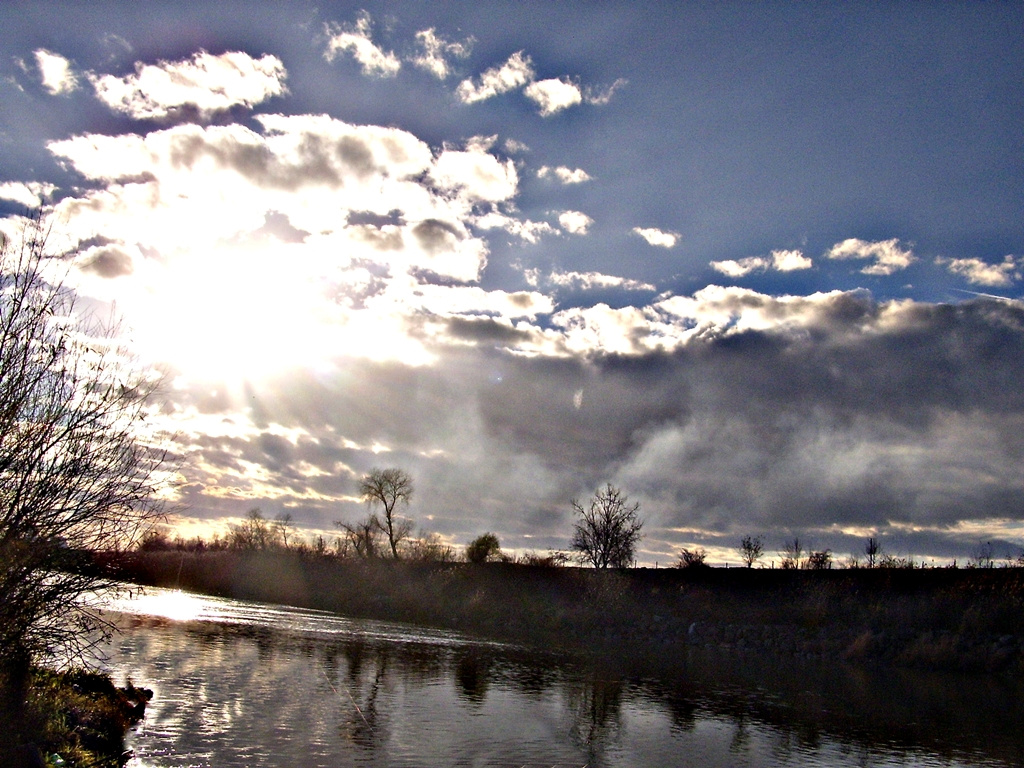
236,312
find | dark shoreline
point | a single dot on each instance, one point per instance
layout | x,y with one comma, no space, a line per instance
965,620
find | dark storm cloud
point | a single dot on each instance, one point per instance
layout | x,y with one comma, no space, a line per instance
904,419
872,416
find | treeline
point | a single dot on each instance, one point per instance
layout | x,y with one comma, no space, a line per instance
940,618
361,540
367,539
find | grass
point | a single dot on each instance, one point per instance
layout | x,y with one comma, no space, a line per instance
79,718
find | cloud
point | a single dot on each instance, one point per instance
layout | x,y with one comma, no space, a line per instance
587,281
809,414
436,51
30,194
528,231
516,72
740,267
355,39
107,263
889,257
55,72
205,83
657,237
514,147
601,97
476,174
365,214
575,222
553,95
980,272
790,261
781,261
563,174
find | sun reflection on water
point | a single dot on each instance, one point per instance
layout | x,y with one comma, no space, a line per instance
170,604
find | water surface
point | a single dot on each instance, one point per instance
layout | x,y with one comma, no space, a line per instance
246,684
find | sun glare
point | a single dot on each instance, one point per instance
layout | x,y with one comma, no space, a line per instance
173,604
241,312
250,312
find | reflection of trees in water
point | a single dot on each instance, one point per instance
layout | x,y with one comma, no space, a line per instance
358,690
595,708
786,708
472,672
741,736
533,677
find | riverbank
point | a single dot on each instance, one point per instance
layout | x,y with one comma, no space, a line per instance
76,718
938,619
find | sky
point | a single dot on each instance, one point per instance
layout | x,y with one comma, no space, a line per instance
758,265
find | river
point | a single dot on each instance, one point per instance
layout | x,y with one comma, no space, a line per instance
247,684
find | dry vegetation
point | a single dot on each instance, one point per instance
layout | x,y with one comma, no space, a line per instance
965,618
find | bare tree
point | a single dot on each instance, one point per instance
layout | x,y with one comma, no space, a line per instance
361,537
607,532
872,549
751,550
283,526
430,548
791,554
389,488
76,472
254,533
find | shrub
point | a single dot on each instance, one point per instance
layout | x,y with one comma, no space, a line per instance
692,558
483,548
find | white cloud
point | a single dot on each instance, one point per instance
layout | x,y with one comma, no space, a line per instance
553,95
476,174
55,71
740,267
588,281
205,82
29,194
782,261
475,301
979,272
435,52
657,237
575,222
717,310
601,328
563,174
599,97
513,74
790,261
514,147
673,322
528,231
355,39
888,255
311,169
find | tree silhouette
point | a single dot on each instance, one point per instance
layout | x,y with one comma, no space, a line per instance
483,548
76,474
751,550
389,488
606,533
